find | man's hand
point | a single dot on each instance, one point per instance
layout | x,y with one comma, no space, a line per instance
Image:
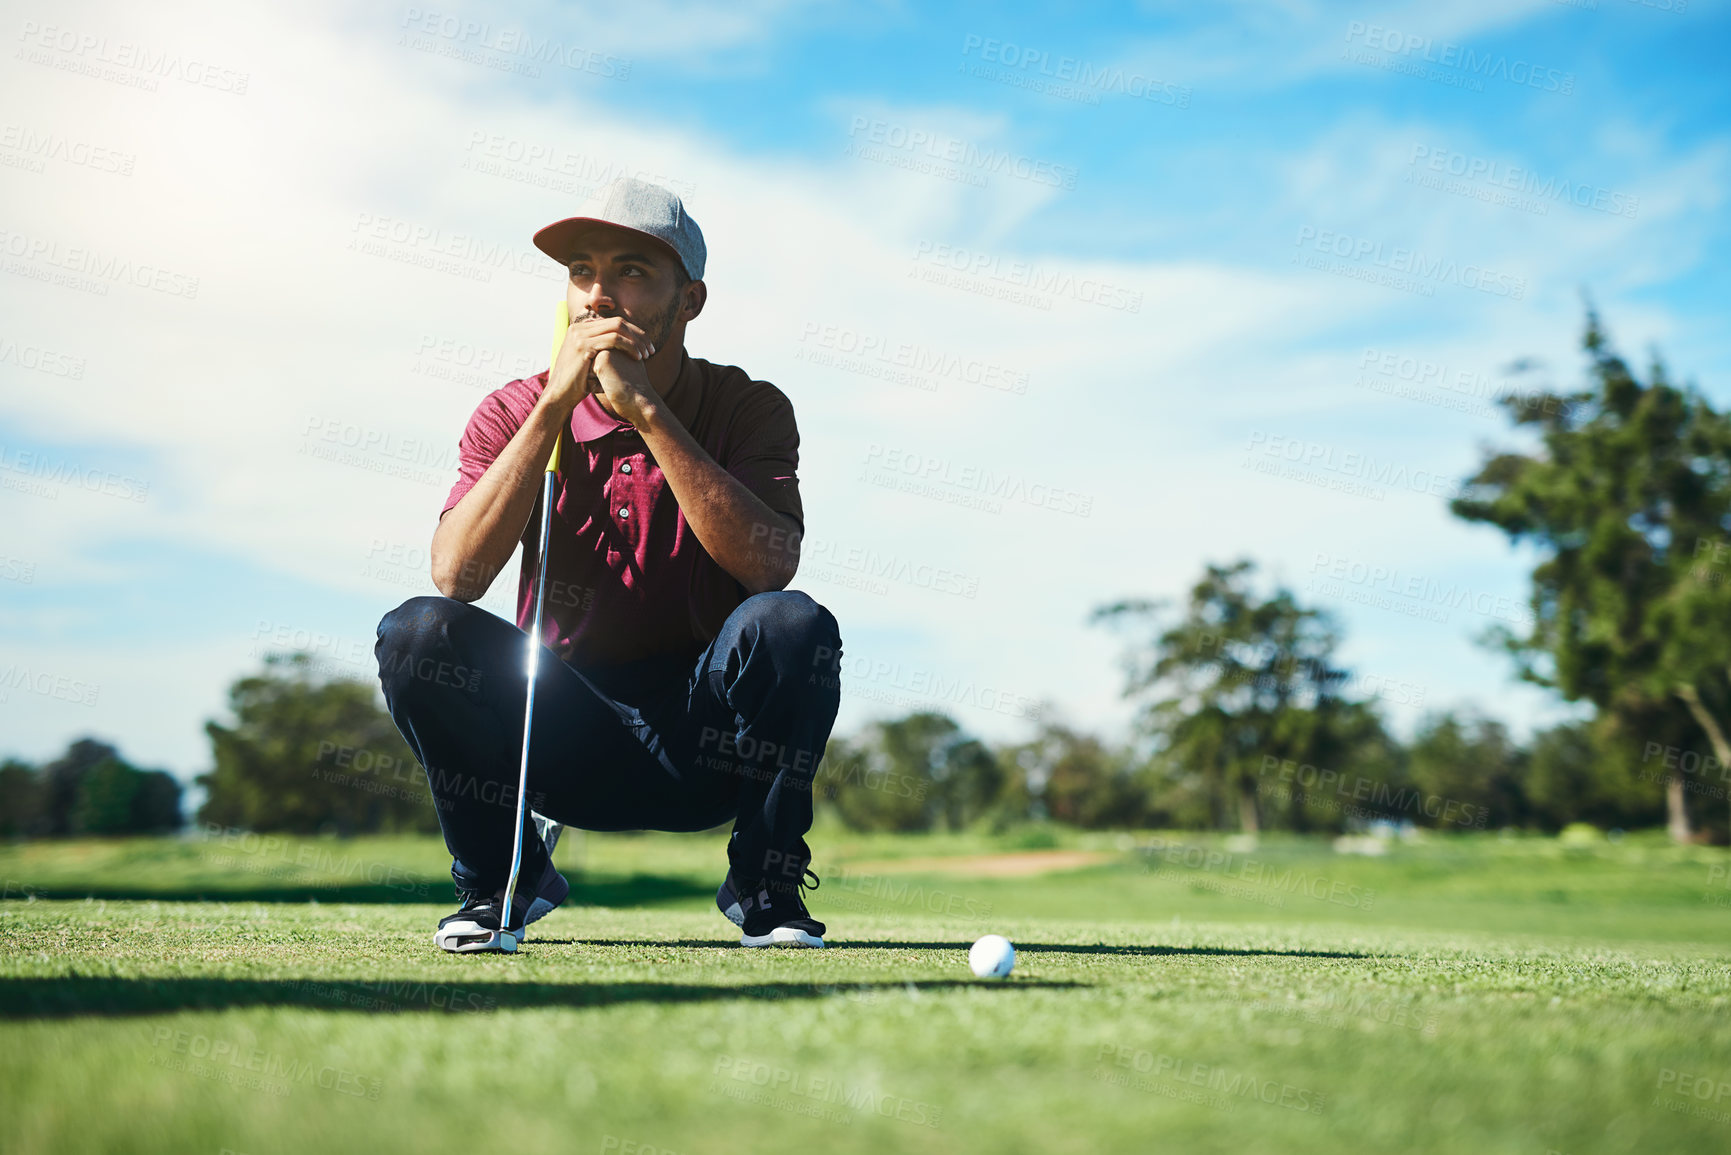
624,388
572,377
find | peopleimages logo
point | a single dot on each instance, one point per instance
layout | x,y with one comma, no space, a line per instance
1289,880
1229,1085
92,51
940,147
1315,782
1411,262
854,349
1023,275
106,267
1424,375
44,146
40,467
1498,175
1465,61
793,1089
1375,579
1075,78
40,359
926,470
530,49
1362,467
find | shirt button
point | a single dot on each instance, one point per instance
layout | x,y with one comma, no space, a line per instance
625,468
625,513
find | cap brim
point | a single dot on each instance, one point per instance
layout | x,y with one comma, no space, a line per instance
559,238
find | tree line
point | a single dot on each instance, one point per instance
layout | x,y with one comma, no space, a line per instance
1245,720
88,790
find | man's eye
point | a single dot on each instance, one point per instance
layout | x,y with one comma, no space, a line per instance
579,270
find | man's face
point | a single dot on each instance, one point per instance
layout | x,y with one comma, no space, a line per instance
618,273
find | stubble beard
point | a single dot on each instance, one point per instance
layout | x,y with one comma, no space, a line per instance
658,325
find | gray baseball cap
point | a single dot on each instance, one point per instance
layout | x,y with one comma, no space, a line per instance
639,206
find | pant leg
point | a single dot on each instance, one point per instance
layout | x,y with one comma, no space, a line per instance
758,714
454,679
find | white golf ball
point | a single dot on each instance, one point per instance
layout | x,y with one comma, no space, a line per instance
992,957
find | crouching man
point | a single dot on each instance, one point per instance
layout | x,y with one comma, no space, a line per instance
691,687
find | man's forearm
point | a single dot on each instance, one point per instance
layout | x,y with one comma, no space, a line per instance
476,536
745,537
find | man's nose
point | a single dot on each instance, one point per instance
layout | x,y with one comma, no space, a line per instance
599,298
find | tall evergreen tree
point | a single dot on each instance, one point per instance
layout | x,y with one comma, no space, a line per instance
1629,483
1234,681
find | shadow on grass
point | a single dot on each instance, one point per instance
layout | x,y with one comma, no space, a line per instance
28,998
623,890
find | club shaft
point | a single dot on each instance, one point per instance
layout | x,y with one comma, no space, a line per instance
534,666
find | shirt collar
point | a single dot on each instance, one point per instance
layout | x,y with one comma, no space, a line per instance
590,422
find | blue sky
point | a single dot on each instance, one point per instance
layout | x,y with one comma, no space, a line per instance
1200,282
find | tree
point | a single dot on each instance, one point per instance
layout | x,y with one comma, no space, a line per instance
910,774
156,803
1628,482
1580,772
1234,682
1469,767
1075,778
90,789
105,794
307,756
64,779
23,809
1369,767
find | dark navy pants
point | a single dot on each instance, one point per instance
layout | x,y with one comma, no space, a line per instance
670,743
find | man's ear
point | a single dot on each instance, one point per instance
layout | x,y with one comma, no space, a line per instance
692,299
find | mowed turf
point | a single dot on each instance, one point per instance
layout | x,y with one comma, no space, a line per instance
1171,993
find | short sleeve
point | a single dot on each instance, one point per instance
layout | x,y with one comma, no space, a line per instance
490,429
765,453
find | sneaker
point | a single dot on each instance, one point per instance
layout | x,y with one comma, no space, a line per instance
774,913
777,917
727,895
475,926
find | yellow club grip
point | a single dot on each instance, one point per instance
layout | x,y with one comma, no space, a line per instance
561,322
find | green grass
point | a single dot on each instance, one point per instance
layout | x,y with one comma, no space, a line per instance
1463,994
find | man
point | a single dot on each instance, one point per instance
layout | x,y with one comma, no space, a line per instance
692,688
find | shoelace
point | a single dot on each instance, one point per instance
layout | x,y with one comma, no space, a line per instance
799,894
493,903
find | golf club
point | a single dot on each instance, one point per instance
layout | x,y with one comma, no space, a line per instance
509,938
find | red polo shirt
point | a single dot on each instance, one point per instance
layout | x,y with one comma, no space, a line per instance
626,576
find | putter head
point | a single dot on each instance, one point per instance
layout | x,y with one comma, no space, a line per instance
501,941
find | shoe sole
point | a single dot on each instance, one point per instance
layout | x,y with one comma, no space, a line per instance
782,936
472,938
